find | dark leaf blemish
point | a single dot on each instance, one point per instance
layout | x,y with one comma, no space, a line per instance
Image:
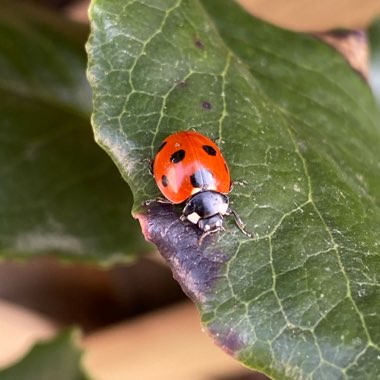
199,44
206,105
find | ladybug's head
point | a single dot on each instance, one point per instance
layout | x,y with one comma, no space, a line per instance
206,209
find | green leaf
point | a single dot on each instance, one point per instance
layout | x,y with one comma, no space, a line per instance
301,299
59,192
58,359
374,76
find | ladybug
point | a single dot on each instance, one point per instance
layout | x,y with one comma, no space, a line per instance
189,168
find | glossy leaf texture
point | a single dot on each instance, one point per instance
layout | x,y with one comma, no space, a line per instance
374,77
301,299
58,358
59,191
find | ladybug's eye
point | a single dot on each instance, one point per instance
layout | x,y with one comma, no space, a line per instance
209,150
177,156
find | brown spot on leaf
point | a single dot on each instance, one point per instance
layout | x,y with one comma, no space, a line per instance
181,83
198,43
206,105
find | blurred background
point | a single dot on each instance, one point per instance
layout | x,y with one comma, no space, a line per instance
127,322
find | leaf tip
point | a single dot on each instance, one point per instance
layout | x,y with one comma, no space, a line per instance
352,44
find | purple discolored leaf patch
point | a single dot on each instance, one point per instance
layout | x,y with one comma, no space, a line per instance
230,341
178,242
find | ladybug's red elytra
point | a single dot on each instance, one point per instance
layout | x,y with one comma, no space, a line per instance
189,167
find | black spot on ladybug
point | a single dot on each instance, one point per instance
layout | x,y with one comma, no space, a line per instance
164,180
195,180
198,43
201,178
209,150
177,156
206,105
161,146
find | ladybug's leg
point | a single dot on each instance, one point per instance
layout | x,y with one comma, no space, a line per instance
207,233
239,222
158,200
237,182
217,140
150,162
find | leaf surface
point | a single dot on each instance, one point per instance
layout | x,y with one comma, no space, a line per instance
374,39
58,359
301,299
59,192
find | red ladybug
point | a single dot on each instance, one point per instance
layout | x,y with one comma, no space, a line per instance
189,167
